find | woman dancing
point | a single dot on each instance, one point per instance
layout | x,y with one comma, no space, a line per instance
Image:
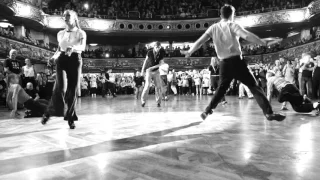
72,42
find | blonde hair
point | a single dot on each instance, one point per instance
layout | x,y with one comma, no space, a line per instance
75,16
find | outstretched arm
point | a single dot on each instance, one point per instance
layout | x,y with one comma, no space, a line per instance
204,38
249,36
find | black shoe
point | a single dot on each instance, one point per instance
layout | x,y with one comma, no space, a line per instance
45,119
143,104
204,115
159,105
276,117
71,124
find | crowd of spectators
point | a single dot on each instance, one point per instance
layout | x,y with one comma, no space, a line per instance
257,49
207,51
167,9
9,33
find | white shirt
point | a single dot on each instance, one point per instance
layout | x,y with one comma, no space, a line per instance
112,78
225,39
163,69
28,71
72,38
170,77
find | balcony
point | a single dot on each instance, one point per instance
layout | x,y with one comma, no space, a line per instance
27,10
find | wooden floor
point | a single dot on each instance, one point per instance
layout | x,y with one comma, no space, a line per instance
116,139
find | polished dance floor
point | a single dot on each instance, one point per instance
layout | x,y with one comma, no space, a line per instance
116,139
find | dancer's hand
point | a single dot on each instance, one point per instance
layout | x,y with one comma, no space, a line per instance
69,50
148,70
185,53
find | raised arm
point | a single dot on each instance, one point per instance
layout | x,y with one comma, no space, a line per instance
204,38
241,32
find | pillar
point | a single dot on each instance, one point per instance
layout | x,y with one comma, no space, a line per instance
19,31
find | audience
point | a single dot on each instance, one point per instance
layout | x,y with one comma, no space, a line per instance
167,9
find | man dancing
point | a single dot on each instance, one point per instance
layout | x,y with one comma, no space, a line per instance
290,93
16,94
151,67
225,35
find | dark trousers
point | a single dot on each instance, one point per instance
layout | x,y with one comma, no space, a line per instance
111,87
104,89
291,94
236,68
37,106
316,83
68,71
306,86
214,82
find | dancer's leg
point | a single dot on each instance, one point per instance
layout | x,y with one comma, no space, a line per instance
57,102
73,71
157,83
146,88
226,76
243,75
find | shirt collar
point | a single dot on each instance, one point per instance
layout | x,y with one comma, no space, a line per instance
72,30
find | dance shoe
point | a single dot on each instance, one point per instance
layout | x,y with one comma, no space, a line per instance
45,119
159,105
204,115
276,117
71,124
143,104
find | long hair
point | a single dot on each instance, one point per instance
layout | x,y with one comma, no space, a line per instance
75,16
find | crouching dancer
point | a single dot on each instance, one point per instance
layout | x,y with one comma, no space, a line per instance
289,92
16,94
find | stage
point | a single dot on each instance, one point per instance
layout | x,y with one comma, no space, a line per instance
117,139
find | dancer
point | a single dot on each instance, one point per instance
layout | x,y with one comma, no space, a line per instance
225,35
17,95
72,41
151,67
139,84
289,92
111,83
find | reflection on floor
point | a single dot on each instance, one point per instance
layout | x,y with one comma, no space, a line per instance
116,139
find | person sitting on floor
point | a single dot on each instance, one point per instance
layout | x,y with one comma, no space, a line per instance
17,95
290,93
